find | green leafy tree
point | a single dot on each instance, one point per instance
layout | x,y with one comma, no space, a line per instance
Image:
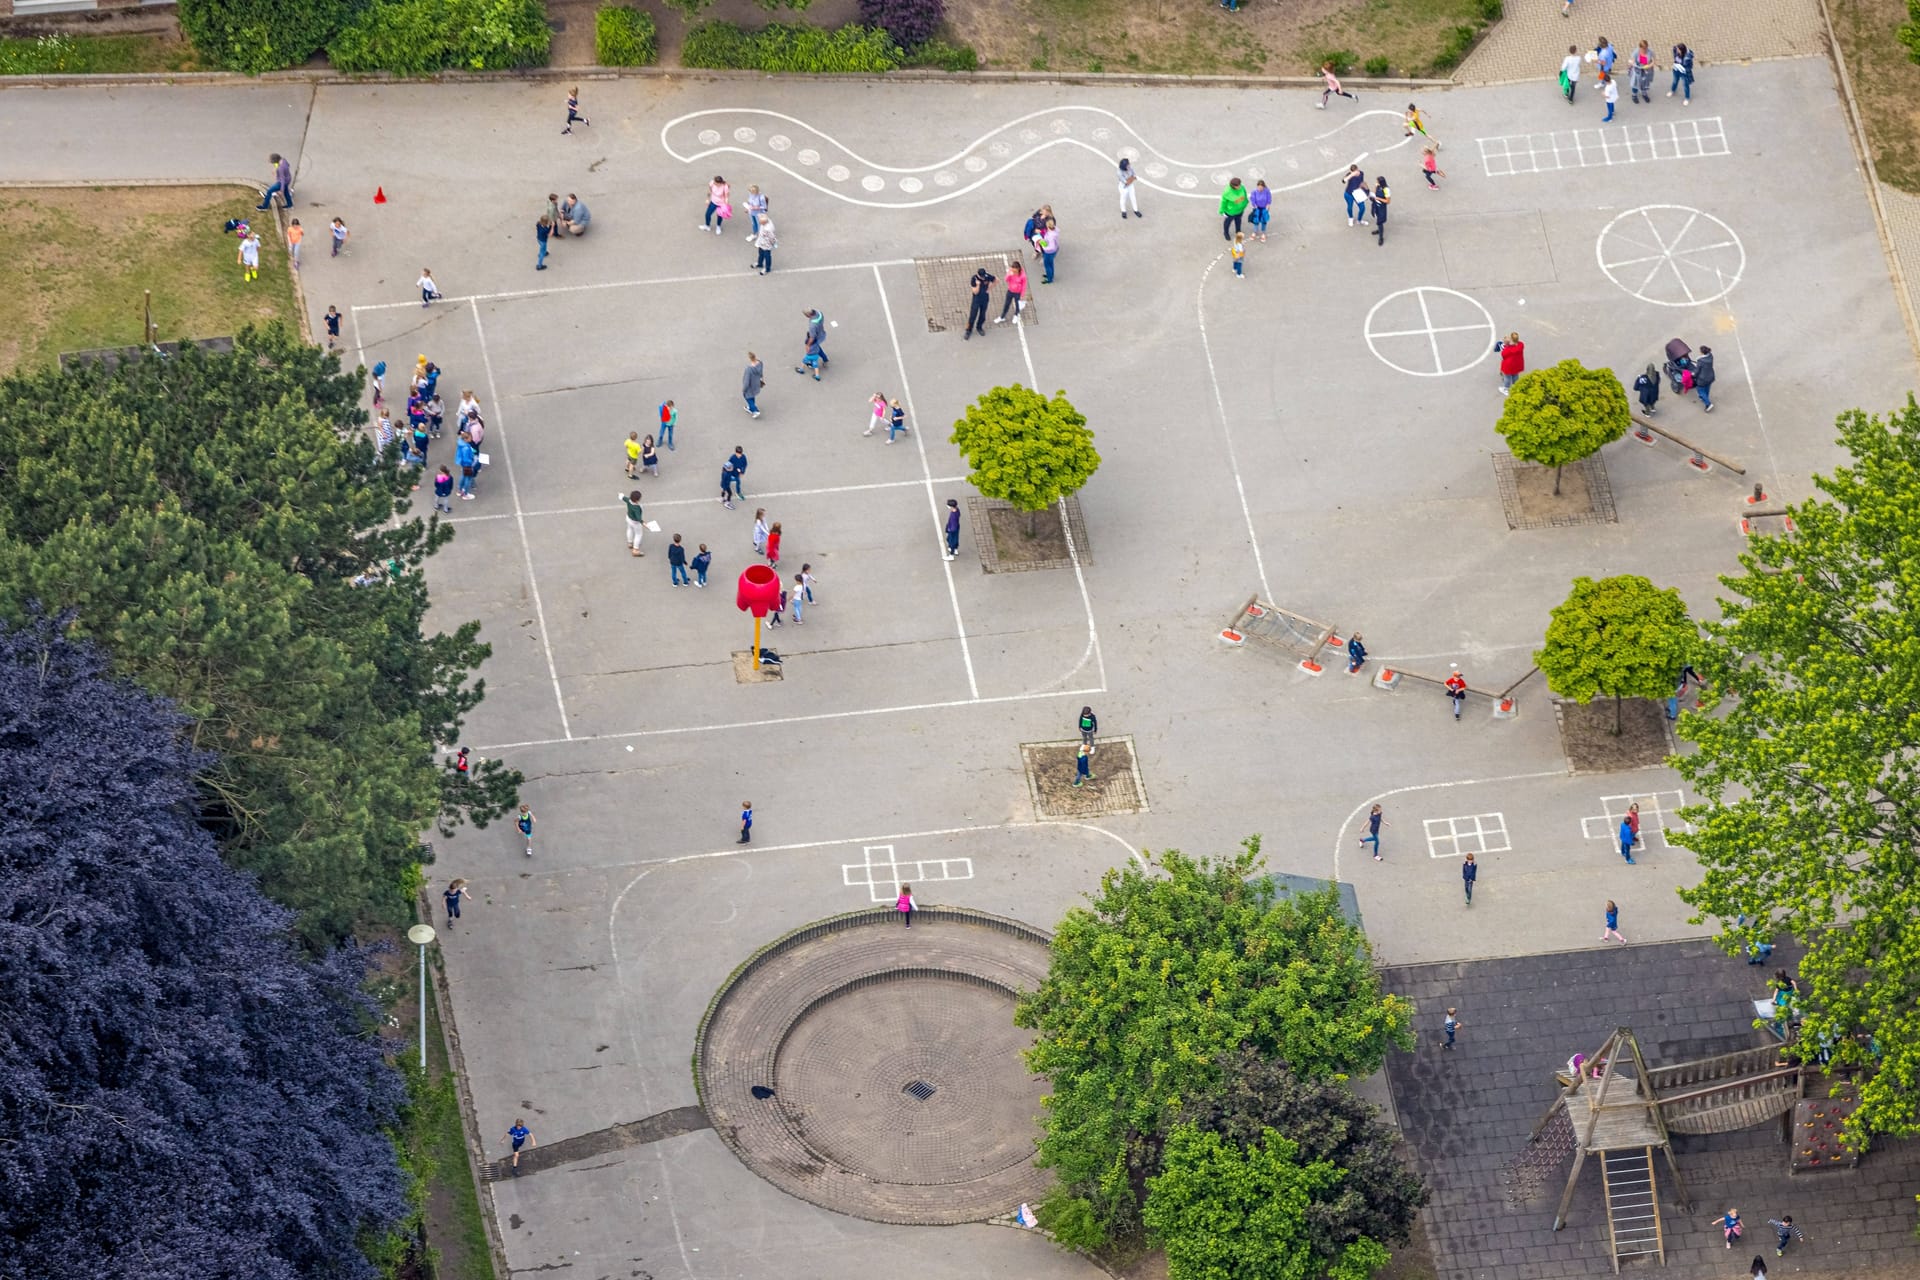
204,517
1377,1195
263,35
1223,1211
1810,823
1156,979
1563,413
1026,449
1619,637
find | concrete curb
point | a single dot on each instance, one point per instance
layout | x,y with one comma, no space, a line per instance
1857,131
328,76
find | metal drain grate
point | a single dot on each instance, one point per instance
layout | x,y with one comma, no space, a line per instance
919,1089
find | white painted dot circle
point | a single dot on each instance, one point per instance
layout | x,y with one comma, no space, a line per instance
1671,255
945,178
1128,153
744,134
1029,135
1429,332
1255,173
1156,170
1186,182
709,137
1061,127
1220,177
1293,162
999,149
839,172
874,182
1102,134
808,156
975,164
779,142
911,185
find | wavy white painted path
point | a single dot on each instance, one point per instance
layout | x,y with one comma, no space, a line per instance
815,157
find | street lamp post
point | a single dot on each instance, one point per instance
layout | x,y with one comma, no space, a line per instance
421,935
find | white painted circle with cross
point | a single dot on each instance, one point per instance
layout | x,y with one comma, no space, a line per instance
1429,331
1671,255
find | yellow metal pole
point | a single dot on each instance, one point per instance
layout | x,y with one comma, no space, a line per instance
756,643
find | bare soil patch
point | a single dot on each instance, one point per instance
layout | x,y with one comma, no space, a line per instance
1528,498
1587,736
1011,541
1114,787
1886,84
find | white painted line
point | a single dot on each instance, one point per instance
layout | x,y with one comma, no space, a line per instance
1073,552
1753,390
1340,838
885,889
516,294
1572,149
813,718
1430,330
926,471
602,508
1474,833
526,548
1226,430
1654,811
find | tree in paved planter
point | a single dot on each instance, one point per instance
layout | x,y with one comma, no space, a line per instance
1026,449
205,516
1157,978
1810,777
184,1095
1619,637
1563,413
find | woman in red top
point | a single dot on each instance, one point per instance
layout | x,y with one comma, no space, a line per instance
1513,361
773,545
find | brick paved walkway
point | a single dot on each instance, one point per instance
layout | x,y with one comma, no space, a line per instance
1529,42
1903,228
1467,1114
839,1020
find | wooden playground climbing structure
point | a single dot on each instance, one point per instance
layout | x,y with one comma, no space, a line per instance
1621,1110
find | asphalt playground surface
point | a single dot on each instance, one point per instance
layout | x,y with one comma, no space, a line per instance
1318,434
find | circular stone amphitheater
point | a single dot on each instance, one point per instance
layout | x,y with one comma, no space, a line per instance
875,1070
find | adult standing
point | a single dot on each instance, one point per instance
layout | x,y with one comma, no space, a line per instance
1703,376
980,294
1356,184
1049,249
282,183
1378,202
1647,385
1605,55
1682,73
953,527
751,380
764,243
817,334
1469,873
1129,198
1640,73
1513,361
469,459
1570,72
1233,204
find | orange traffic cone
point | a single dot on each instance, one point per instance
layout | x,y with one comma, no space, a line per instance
379,195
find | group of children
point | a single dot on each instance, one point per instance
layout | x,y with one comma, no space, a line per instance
426,420
248,255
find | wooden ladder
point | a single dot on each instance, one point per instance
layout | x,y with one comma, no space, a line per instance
1633,1204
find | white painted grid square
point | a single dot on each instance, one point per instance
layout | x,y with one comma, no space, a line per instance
1657,816
885,888
1474,833
1595,146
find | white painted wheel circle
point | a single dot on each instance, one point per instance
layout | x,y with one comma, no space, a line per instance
1429,331
1671,255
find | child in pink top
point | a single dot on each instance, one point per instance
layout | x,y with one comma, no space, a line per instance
1016,293
904,904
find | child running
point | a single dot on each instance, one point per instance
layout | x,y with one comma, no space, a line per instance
250,257
1417,124
573,110
340,234
1333,86
1430,169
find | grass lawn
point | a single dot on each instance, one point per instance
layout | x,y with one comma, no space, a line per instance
79,260
1198,37
1886,84
96,55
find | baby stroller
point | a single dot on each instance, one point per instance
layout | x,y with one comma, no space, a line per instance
1679,366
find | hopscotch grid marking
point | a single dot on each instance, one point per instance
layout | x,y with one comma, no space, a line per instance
1654,813
1704,138
913,871
520,520
926,471
1479,829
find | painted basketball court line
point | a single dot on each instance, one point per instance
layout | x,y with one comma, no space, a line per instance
1099,124
519,515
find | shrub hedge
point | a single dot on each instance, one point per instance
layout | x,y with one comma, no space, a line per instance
789,47
420,37
909,22
262,35
624,37
942,55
